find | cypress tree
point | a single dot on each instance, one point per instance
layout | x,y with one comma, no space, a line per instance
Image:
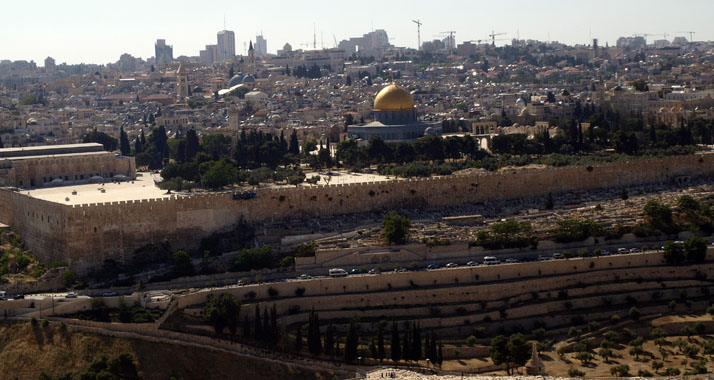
373,350
274,331
330,341
143,138
258,330
298,339
416,342
406,346
294,147
124,145
314,340
138,148
283,143
380,342
440,355
267,333
246,327
181,151
352,341
395,348
192,145
1,145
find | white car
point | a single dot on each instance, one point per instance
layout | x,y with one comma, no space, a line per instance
472,264
304,276
71,295
452,265
512,261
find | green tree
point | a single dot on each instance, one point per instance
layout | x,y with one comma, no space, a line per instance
396,228
380,342
695,249
182,265
124,145
512,352
634,313
191,146
674,253
352,341
217,174
314,338
109,143
68,278
395,346
217,145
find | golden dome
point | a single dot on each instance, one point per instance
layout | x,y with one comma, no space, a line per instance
393,98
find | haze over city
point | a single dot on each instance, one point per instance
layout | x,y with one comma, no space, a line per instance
85,31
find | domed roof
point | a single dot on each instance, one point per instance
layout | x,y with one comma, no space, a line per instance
393,98
236,80
248,78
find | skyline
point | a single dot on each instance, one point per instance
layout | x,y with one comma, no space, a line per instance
86,32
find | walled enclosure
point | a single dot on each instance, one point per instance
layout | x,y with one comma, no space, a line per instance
86,235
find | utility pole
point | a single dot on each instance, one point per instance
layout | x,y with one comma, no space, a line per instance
418,33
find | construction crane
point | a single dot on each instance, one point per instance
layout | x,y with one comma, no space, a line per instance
334,38
418,33
493,37
451,40
691,35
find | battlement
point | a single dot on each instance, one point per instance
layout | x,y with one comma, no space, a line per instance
88,233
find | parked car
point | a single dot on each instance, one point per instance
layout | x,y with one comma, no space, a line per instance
373,271
635,250
544,258
109,294
622,251
472,264
452,265
604,252
71,295
557,256
432,267
512,261
240,283
355,271
305,276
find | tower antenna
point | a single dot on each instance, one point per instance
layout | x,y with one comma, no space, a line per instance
314,37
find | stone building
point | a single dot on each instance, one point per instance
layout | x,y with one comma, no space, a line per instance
37,166
395,118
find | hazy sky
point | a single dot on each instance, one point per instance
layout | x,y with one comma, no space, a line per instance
75,31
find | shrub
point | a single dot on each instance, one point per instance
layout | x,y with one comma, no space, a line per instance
272,292
396,228
634,313
471,341
644,373
574,372
34,322
622,370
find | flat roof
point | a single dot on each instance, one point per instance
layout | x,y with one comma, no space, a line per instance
30,149
141,188
62,155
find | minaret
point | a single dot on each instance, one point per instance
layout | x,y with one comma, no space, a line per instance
182,83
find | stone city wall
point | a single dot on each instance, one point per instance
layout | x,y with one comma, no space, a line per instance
87,234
